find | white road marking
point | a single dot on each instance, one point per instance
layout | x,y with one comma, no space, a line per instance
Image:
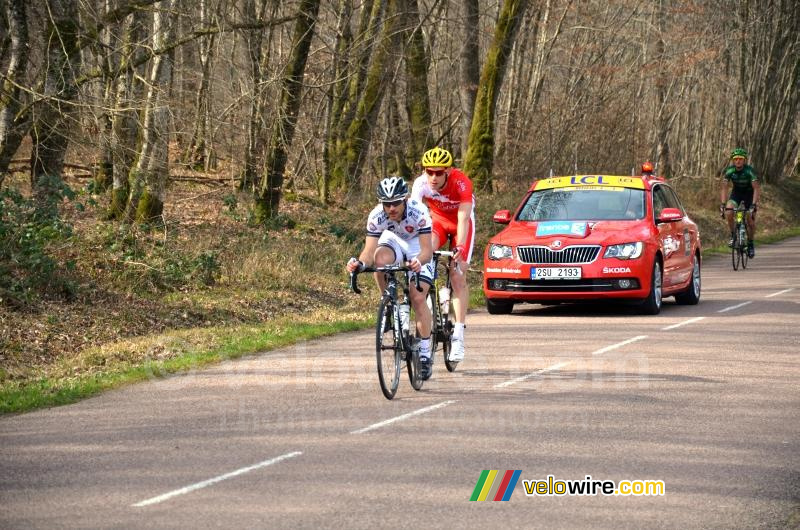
737,306
619,344
679,324
530,375
403,417
779,293
209,482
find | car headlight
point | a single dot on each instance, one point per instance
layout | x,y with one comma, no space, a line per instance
624,251
499,251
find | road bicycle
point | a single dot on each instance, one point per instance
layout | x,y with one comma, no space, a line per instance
740,242
439,303
395,344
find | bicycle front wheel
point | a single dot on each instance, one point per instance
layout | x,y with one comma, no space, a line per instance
736,255
743,247
388,348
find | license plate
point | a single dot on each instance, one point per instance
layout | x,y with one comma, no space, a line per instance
555,273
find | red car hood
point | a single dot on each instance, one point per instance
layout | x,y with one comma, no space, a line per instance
597,233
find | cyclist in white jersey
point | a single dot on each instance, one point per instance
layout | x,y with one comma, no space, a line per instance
399,232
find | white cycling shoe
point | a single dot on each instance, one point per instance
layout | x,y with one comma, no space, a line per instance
456,350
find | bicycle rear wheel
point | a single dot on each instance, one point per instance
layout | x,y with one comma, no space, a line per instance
388,348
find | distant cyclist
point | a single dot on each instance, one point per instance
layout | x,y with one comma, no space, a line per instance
398,233
745,188
447,192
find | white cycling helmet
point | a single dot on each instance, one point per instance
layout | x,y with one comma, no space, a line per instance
391,189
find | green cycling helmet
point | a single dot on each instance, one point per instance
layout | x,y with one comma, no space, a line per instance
738,153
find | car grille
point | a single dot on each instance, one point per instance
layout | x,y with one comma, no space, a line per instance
571,254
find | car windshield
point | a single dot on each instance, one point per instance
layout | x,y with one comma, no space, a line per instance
563,204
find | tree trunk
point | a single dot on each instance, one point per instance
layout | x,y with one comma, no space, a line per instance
200,153
269,196
149,176
258,60
469,67
336,94
12,129
480,150
418,103
128,96
56,115
354,145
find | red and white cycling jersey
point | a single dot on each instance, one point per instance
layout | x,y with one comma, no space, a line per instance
444,204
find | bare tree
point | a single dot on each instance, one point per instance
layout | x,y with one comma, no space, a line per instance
55,114
469,66
480,151
11,128
269,194
148,178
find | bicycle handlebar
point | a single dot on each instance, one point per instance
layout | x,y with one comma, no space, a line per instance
386,268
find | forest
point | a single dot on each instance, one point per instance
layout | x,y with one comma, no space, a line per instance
171,165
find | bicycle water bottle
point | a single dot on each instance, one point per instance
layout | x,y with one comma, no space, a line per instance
405,311
444,299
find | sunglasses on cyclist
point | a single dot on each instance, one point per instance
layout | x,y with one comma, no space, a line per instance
435,172
393,203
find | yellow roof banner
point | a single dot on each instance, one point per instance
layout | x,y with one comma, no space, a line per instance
594,181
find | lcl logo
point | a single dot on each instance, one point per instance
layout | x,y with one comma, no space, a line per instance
556,244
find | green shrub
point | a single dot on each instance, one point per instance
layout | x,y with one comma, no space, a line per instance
27,228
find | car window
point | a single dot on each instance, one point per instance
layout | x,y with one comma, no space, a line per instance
660,201
672,199
564,204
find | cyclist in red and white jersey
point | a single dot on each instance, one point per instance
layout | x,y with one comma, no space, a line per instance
447,192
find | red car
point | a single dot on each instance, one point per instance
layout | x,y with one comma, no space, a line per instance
590,237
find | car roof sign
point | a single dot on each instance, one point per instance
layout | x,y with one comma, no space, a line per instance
594,181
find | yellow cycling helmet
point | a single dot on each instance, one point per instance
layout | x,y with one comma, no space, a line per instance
437,157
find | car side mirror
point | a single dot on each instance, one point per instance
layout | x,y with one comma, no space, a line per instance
669,215
502,217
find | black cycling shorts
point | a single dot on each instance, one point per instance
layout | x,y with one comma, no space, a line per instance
739,196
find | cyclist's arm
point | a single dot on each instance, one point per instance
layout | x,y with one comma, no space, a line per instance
367,256
462,228
425,248
756,191
723,191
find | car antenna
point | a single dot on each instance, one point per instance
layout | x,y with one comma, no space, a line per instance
551,172
576,159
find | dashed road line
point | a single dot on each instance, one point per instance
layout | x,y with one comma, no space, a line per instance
618,345
532,374
737,306
402,417
779,293
679,324
209,482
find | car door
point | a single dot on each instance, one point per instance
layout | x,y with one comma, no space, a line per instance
670,235
688,233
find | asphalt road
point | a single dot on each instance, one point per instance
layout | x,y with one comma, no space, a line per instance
704,398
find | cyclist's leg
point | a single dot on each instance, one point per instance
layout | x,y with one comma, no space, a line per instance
729,213
390,251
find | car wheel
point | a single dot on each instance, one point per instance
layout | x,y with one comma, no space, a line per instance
652,304
499,307
692,293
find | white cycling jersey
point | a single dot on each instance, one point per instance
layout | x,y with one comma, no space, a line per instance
416,220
